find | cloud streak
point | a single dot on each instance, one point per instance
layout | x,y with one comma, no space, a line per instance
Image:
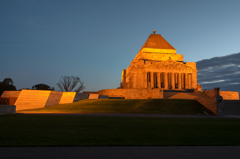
223,72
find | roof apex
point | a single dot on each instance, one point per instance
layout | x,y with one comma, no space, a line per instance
156,41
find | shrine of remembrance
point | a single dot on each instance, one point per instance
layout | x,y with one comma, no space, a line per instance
156,67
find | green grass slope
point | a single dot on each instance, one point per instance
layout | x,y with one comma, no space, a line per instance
145,106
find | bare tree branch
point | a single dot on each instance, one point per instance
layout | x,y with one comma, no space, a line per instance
68,83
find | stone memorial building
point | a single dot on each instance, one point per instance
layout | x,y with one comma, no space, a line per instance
157,65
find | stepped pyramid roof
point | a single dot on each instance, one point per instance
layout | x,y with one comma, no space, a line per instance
156,41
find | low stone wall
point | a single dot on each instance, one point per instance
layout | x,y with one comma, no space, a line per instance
209,102
205,100
97,96
32,99
67,97
12,94
144,93
80,96
229,95
103,97
179,95
7,109
93,96
54,98
7,100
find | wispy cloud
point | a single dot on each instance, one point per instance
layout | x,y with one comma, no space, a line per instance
223,72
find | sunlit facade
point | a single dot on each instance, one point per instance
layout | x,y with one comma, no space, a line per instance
157,65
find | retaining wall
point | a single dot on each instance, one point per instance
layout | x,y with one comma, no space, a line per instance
67,97
227,95
32,99
54,98
144,93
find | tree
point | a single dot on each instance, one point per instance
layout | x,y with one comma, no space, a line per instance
42,86
7,85
68,83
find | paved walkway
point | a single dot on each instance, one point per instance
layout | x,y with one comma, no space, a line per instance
122,152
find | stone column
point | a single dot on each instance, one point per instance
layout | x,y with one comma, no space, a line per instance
152,80
165,80
169,79
194,80
186,81
179,81
145,80
158,80
182,79
162,76
173,81
189,81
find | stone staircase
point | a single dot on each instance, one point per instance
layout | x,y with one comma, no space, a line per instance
202,98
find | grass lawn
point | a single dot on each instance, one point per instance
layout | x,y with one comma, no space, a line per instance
146,106
67,130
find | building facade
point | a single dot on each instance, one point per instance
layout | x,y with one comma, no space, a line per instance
157,65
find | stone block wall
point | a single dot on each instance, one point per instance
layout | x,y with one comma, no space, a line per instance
229,95
67,97
54,98
80,96
93,96
209,103
205,100
144,93
179,95
13,94
32,99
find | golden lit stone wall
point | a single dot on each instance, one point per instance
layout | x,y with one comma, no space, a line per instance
229,95
32,99
135,76
67,97
13,94
159,57
133,93
93,96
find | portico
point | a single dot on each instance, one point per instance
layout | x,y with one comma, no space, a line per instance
169,80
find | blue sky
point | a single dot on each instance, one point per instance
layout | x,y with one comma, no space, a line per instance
42,40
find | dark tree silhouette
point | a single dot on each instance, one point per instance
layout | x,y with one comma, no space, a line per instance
42,86
68,83
7,85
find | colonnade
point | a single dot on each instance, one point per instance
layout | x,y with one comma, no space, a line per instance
170,80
